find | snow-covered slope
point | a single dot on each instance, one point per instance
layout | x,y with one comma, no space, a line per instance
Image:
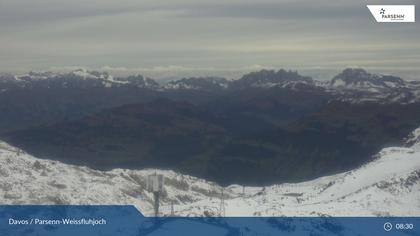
201,83
361,79
353,85
388,185
271,78
80,78
357,85
25,179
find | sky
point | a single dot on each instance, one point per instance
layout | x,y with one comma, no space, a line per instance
176,38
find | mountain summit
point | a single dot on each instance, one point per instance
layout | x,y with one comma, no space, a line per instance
271,78
359,78
199,83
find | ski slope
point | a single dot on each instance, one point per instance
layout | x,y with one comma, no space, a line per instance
389,185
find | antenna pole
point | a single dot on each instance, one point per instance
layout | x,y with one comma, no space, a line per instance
155,185
222,205
156,203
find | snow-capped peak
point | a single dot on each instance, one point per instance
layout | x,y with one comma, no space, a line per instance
85,74
138,81
271,78
413,140
37,75
360,79
79,78
200,83
357,85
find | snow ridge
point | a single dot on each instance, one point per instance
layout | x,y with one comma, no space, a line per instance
388,185
353,85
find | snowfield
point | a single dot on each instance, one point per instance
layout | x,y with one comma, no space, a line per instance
387,186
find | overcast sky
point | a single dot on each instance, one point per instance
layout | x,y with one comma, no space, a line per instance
220,37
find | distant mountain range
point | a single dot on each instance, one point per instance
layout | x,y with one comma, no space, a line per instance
368,87
267,127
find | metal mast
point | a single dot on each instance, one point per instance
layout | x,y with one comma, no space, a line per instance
155,185
172,209
222,205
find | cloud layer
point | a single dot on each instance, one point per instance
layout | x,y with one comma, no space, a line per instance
221,35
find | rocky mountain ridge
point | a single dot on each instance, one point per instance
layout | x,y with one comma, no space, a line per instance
352,84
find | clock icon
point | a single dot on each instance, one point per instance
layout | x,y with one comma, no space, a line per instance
387,226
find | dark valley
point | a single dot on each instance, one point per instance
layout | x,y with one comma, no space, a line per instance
267,127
